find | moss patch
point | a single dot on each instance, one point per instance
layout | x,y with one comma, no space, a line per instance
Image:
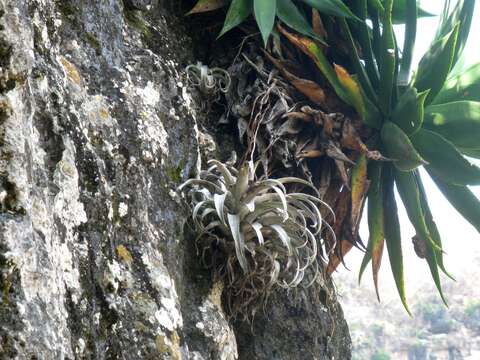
135,20
91,40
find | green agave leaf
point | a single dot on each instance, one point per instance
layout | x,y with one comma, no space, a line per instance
399,148
445,159
465,86
410,195
462,14
332,7
436,64
458,122
431,258
206,5
400,12
362,32
470,152
462,198
288,12
388,60
432,227
411,14
377,5
408,113
392,235
407,187
355,60
238,11
265,16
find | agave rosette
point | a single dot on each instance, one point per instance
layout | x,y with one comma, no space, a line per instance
263,235
429,119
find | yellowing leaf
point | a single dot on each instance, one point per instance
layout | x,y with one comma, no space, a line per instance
352,89
359,185
311,49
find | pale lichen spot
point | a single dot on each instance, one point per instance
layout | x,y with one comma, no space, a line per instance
149,94
71,71
124,254
104,114
215,295
122,209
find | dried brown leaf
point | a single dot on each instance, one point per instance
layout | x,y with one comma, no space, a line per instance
342,172
334,261
334,152
299,115
317,24
307,87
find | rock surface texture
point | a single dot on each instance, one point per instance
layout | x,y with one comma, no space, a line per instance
96,132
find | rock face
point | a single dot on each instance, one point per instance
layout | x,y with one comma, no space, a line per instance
96,132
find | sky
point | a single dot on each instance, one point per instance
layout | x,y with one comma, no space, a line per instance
461,241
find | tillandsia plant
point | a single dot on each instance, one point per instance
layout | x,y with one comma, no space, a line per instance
254,234
429,117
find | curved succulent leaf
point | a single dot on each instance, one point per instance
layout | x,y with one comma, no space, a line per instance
410,19
445,159
206,5
288,12
408,189
219,200
388,59
464,86
239,240
226,173
432,226
458,122
469,152
238,11
410,195
399,148
400,12
331,7
436,64
409,111
265,16
462,14
392,235
462,198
